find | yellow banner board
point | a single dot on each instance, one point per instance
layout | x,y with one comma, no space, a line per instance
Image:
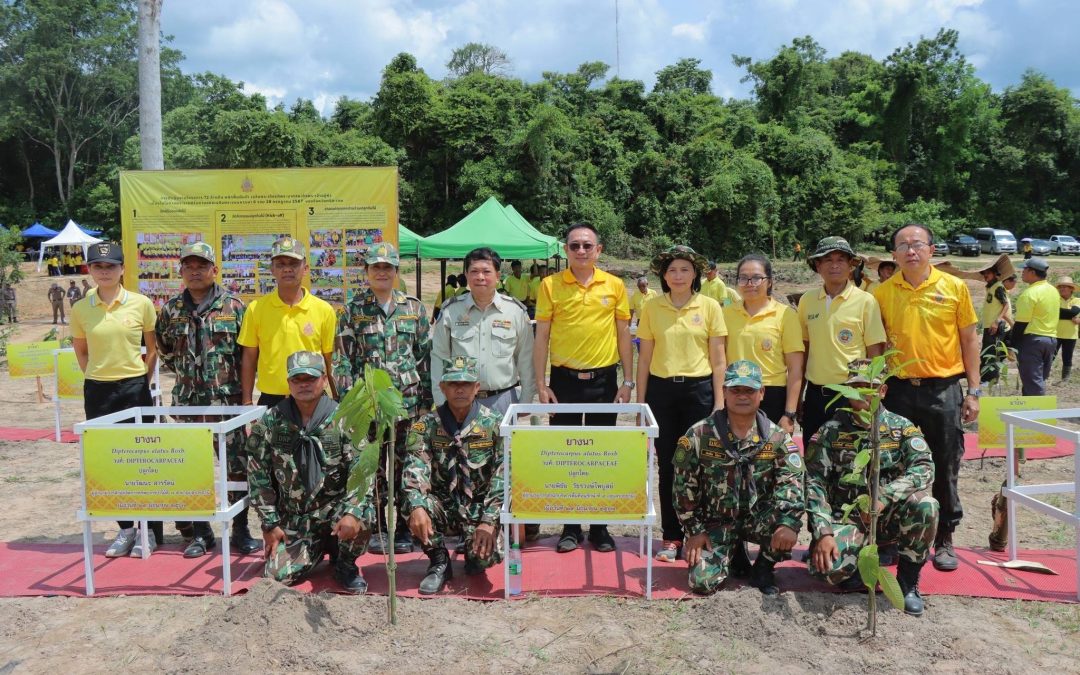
992,427
31,359
578,475
137,472
69,376
336,212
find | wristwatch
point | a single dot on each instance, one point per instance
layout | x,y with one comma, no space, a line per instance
976,392
790,415
629,383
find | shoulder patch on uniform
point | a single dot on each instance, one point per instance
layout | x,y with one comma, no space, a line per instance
918,443
794,461
514,300
449,301
684,443
419,427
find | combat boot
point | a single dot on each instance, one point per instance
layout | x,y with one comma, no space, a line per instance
907,575
1065,372
762,576
241,537
999,533
944,555
348,575
439,571
740,562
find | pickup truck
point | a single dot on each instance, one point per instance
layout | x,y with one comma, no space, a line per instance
1064,244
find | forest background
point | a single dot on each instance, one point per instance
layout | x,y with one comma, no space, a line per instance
826,145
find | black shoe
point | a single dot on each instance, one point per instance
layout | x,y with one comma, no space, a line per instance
907,575
532,531
601,539
571,537
944,556
762,577
187,531
853,584
473,568
403,542
241,536
200,546
740,567
888,555
439,572
348,575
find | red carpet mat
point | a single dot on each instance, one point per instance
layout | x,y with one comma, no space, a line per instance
18,434
57,569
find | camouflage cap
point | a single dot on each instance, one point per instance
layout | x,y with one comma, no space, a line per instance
743,374
199,249
859,372
287,247
460,369
827,246
383,252
305,363
679,252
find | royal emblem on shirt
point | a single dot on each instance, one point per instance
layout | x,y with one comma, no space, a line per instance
309,330
766,345
696,320
845,336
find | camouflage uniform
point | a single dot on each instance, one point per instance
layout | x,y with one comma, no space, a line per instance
735,489
457,479
276,489
907,471
7,304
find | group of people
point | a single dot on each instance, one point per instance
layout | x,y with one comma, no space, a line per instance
727,372
56,295
67,261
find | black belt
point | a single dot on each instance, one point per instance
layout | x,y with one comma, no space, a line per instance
488,393
930,382
590,374
679,379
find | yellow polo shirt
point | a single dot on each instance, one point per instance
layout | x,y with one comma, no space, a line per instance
534,287
517,288
1067,330
279,330
764,338
681,335
924,323
582,318
839,334
992,307
639,298
1038,307
113,334
718,291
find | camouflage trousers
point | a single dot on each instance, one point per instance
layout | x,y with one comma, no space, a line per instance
380,484
710,574
910,524
306,541
447,514
235,458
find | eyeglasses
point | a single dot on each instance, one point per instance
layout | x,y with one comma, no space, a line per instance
916,246
754,281
581,246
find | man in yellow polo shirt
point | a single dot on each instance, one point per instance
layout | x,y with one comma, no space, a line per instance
516,284
582,321
714,287
642,294
840,324
930,319
1034,335
281,323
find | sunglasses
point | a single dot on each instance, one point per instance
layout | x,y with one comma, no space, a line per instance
581,246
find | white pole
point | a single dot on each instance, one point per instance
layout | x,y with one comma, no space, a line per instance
1010,483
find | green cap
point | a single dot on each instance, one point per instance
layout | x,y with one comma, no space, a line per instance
679,252
199,249
383,252
827,246
859,372
460,369
287,247
743,374
305,363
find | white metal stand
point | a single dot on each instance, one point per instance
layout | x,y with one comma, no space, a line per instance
1022,494
649,427
233,417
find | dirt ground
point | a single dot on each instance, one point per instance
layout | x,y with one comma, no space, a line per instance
272,628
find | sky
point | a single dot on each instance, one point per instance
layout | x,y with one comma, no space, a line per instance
324,49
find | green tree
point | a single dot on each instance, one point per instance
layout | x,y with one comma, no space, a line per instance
476,57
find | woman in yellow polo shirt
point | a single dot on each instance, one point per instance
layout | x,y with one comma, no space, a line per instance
1068,323
680,371
109,327
764,331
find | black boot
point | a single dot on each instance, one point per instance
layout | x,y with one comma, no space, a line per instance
944,555
202,541
241,537
1065,372
762,577
907,574
348,575
740,562
438,571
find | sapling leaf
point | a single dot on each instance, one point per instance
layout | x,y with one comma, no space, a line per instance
891,587
869,565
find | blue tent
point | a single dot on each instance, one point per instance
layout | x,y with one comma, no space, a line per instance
40,231
87,230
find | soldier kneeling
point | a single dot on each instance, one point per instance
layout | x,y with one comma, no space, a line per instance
909,515
298,470
453,476
738,477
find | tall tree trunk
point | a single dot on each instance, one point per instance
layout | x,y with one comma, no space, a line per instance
150,84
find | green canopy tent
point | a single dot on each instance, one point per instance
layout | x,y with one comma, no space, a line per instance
528,227
409,247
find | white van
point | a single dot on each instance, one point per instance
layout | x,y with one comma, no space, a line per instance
995,241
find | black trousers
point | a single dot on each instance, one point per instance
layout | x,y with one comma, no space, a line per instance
601,387
817,410
935,407
1066,347
103,398
773,403
990,364
677,406
270,400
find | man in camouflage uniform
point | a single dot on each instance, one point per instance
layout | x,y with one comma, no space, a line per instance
387,329
453,476
908,514
738,476
196,339
8,304
298,470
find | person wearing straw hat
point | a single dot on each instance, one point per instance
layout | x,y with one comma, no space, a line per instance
840,323
992,320
680,368
1034,335
1068,323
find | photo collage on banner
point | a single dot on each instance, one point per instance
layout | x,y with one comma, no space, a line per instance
336,258
159,263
